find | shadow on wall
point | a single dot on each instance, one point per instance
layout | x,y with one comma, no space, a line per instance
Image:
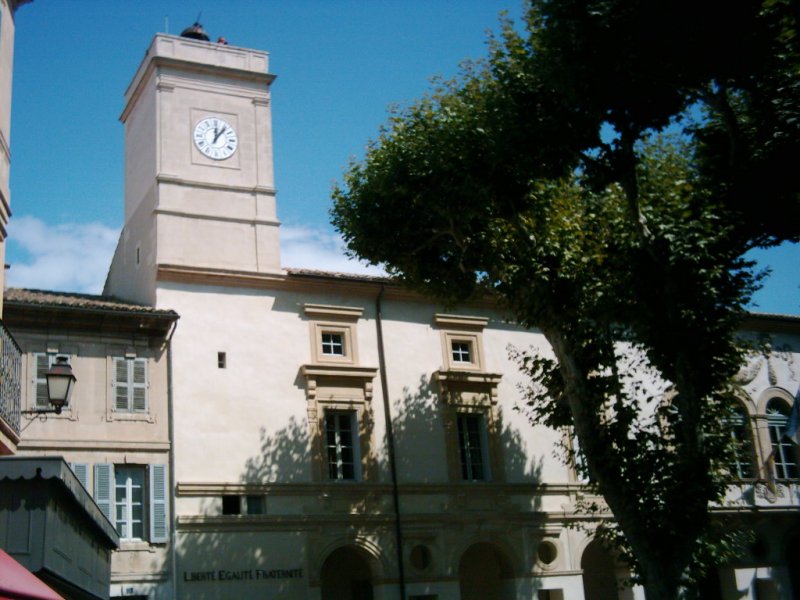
284,456
230,550
277,549
425,433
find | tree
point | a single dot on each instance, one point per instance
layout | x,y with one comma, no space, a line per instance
540,176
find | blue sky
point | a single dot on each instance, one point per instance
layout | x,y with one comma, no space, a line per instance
340,65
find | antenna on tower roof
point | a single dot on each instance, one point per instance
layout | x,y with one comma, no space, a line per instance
199,15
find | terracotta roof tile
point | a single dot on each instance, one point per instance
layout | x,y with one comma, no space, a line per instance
339,275
81,301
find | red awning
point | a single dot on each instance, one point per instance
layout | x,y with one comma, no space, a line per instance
17,583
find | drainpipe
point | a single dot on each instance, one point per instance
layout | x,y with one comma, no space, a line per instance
171,432
398,532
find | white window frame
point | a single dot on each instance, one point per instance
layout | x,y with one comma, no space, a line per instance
461,351
784,454
336,340
335,448
742,465
123,518
467,446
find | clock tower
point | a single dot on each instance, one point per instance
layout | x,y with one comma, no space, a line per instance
199,181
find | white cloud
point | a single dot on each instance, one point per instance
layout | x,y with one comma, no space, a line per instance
75,257
70,257
316,248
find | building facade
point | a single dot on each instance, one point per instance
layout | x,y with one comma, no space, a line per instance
337,436
303,434
115,431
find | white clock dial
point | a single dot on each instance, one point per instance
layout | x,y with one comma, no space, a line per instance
215,138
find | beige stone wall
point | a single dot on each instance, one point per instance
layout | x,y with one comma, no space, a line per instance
90,431
183,207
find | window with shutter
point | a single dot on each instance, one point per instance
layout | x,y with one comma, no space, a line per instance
130,384
42,361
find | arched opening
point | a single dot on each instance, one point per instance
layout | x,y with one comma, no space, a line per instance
485,572
346,576
601,573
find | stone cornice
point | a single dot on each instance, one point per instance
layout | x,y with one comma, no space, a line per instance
192,215
460,322
153,62
327,311
115,446
201,489
302,283
252,189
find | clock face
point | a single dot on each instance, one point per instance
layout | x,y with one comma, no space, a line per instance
215,138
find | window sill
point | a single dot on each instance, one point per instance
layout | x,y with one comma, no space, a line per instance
135,546
66,414
129,416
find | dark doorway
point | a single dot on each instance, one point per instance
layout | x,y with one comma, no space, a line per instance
346,576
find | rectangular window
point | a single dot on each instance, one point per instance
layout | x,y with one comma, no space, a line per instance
134,498
741,465
231,505
129,498
42,363
222,360
340,444
130,384
472,447
462,352
254,505
783,452
333,344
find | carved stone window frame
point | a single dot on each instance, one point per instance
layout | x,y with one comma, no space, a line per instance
339,320
468,393
467,388
337,383
465,329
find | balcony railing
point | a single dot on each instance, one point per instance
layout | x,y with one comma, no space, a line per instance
10,367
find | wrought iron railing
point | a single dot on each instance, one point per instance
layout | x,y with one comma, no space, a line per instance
10,370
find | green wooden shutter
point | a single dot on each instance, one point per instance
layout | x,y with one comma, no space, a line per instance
158,504
139,384
104,489
81,471
121,387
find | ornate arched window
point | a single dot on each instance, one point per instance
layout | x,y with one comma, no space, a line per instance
784,453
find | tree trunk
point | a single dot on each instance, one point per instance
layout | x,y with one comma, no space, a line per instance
661,581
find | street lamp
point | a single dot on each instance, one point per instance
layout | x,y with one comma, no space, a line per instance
60,381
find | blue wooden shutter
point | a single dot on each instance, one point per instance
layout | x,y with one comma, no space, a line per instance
81,471
121,379
158,503
104,489
139,384
42,365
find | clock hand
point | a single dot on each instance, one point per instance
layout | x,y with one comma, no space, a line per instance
217,134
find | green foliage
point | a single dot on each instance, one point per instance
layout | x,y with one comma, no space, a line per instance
544,178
